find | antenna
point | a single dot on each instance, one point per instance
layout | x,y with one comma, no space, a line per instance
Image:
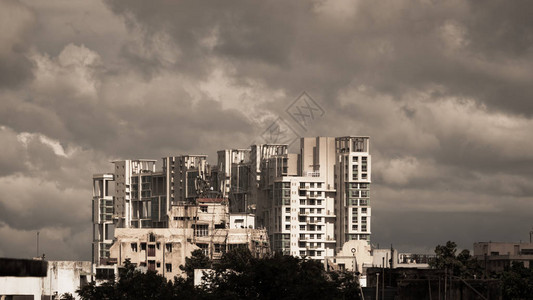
37,244
530,233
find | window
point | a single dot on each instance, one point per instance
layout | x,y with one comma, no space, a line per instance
354,159
364,210
168,267
151,250
143,246
201,229
287,209
204,248
302,253
287,218
318,236
219,248
152,237
168,247
319,185
134,247
302,227
354,227
158,264
288,227
151,265
203,209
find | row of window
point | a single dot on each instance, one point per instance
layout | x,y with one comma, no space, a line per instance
151,247
310,253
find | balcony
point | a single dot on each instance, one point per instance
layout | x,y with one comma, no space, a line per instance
313,174
330,239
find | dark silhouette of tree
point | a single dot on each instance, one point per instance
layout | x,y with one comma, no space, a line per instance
237,275
197,260
67,296
517,282
462,264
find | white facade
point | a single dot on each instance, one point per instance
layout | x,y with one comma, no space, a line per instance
226,159
353,173
103,227
241,220
312,203
124,213
62,277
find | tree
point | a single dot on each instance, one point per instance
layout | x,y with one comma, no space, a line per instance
517,282
67,296
241,276
463,264
198,260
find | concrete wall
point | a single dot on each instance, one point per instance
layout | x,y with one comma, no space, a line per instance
62,277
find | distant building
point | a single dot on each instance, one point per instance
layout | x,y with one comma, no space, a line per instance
310,203
313,202
103,226
164,249
184,173
495,256
38,279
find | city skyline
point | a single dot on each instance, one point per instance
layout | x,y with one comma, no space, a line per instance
442,89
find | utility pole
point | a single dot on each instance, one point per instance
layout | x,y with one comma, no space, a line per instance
377,286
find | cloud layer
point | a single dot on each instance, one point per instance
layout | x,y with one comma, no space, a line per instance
442,88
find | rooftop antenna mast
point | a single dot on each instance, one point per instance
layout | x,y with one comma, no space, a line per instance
530,233
37,244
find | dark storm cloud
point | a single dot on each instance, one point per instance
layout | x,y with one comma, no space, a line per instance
18,22
442,88
394,46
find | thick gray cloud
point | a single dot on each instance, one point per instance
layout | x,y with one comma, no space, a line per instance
442,88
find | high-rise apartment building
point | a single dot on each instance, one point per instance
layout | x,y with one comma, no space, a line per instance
353,177
103,227
185,175
126,207
310,202
313,202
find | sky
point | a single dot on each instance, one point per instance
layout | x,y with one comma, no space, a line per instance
443,89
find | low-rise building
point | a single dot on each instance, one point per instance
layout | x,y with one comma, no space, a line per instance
39,279
495,256
165,249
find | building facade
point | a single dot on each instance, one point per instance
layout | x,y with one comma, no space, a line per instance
314,202
310,202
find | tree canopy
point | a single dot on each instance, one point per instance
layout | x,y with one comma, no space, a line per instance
237,275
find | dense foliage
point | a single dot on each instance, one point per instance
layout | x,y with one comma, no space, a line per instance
462,265
238,275
516,280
